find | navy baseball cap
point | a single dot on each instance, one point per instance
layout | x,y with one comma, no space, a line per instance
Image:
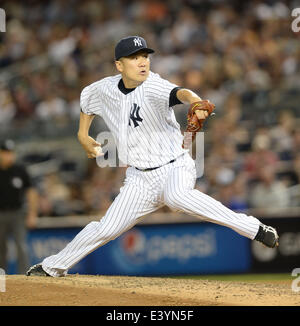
130,45
7,145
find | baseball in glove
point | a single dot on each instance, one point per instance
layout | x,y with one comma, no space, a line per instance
194,124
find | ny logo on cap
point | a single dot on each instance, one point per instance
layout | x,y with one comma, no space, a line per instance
137,42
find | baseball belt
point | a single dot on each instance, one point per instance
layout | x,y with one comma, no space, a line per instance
150,169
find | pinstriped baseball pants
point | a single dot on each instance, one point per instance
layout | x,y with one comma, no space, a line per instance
143,193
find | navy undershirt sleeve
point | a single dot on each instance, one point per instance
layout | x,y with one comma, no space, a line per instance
173,100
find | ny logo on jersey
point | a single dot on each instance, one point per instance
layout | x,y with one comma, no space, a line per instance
137,42
135,115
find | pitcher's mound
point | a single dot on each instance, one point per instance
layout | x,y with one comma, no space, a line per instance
86,290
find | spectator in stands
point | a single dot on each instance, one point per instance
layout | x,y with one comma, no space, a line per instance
57,194
269,193
232,117
7,108
282,134
52,108
261,155
24,104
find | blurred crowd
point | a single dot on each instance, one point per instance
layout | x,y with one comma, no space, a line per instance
242,55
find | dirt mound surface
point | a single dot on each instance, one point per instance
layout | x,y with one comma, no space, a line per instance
86,290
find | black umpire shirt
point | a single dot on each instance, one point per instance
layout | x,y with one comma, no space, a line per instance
14,182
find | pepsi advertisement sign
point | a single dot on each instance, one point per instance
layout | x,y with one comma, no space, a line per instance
145,250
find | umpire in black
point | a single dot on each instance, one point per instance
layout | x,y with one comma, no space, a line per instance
18,205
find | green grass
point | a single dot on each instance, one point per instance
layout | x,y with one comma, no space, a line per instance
240,277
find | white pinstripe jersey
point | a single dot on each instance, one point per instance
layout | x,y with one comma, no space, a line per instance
141,121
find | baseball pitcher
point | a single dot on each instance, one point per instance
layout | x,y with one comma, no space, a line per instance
137,106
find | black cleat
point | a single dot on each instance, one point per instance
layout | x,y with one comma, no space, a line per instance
268,236
36,270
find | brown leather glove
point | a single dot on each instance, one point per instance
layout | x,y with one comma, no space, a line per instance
193,123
